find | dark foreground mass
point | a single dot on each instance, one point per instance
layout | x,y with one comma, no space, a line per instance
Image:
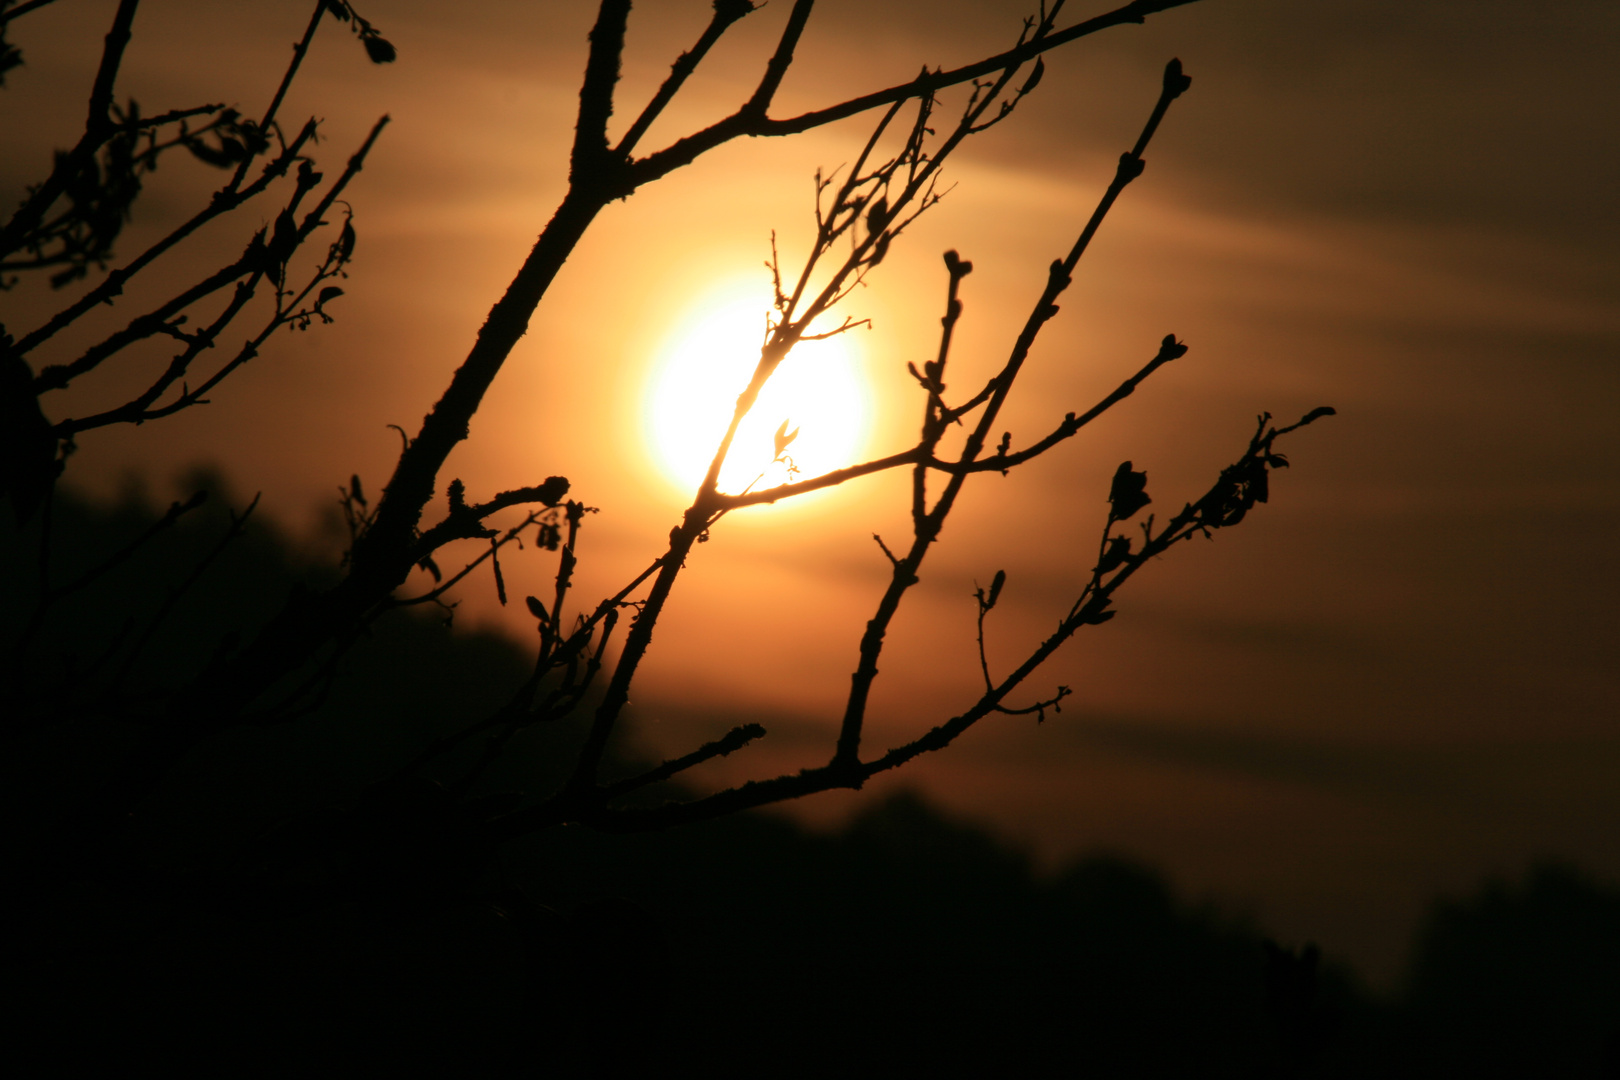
279,906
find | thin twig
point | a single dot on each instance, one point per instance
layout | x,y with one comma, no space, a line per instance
733,740
49,596
237,528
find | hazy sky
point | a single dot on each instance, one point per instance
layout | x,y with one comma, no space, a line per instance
1397,677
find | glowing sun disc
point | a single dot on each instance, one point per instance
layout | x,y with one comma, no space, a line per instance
819,389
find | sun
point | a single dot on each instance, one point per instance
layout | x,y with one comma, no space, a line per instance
820,390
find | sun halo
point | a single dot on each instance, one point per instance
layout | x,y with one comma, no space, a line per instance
820,390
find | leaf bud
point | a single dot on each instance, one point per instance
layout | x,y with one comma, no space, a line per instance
1175,83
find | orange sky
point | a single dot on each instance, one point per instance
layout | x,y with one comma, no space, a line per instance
1396,678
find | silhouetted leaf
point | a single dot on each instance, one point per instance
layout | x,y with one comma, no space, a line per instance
1259,486
207,154
1119,549
379,49
878,216
284,239
784,438
1034,79
537,609
345,243
1128,492
880,249
996,585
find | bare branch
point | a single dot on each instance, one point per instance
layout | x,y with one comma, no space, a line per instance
467,521
237,528
780,61
735,739
23,9
222,202
269,117
725,14
1169,349
49,595
596,96
496,543
259,259
1220,506
97,127
685,151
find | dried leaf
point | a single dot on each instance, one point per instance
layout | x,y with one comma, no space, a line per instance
784,438
1119,549
1128,494
1034,79
345,244
379,49
878,216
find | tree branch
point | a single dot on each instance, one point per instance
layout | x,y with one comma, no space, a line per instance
735,739
97,127
684,151
725,14
596,95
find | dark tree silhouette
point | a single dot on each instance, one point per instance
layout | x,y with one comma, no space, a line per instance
865,210
412,840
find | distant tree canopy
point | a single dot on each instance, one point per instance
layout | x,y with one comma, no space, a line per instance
241,934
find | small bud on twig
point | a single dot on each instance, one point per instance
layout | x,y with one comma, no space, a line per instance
1175,83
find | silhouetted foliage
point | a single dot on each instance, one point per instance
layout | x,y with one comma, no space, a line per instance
1521,979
